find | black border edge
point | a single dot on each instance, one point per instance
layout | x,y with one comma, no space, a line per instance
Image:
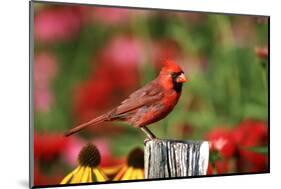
31,124
268,91
149,180
142,8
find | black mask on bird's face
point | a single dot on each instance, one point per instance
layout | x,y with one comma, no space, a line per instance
178,79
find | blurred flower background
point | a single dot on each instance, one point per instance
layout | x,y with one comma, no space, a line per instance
88,59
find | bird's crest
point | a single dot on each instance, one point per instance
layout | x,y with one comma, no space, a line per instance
171,66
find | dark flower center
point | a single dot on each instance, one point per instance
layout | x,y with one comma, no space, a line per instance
89,156
136,158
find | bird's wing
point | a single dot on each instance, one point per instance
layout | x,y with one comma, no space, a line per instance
144,96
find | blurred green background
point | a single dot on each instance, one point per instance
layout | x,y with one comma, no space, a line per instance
88,59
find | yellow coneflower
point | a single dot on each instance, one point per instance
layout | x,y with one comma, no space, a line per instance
111,171
88,170
134,168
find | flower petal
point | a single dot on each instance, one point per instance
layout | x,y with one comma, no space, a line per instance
68,177
78,176
120,173
85,177
128,174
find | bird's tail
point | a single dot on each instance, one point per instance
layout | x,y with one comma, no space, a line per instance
92,122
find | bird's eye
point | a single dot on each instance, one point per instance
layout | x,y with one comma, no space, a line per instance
175,74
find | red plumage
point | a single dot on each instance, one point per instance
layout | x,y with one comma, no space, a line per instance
149,104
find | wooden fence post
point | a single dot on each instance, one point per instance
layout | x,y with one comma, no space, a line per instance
172,158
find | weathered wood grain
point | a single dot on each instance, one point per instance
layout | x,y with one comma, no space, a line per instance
171,158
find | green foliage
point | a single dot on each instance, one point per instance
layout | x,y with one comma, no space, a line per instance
259,149
214,156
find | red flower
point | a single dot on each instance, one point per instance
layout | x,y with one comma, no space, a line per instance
116,76
48,146
41,178
249,134
219,167
91,96
210,169
104,90
237,143
120,59
222,141
57,23
222,166
262,52
125,77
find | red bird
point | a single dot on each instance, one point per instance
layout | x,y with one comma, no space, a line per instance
147,105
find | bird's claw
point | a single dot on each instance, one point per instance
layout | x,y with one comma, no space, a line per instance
149,139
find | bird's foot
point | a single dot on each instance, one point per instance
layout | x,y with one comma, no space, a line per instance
149,134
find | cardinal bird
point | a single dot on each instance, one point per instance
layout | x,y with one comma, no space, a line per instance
147,105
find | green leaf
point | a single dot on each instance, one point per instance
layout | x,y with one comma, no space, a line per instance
214,156
259,149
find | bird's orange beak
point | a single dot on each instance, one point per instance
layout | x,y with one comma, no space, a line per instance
181,78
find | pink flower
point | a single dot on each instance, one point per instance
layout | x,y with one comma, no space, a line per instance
43,99
45,69
123,51
222,140
75,145
120,59
108,159
110,15
71,151
57,23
